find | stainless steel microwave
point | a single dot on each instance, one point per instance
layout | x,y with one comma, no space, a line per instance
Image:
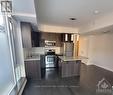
50,43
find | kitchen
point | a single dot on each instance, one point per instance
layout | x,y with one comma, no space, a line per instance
47,54
53,47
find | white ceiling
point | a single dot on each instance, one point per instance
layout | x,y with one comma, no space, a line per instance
58,12
24,10
24,6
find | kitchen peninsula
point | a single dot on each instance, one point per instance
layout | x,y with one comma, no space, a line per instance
70,66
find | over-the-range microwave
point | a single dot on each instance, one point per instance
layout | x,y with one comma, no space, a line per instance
50,43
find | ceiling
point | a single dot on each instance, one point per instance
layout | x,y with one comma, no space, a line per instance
24,10
58,12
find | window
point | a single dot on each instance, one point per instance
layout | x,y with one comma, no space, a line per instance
7,78
6,67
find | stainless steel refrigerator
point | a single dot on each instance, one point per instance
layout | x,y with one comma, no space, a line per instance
68,48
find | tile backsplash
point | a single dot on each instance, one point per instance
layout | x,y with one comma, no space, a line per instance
40,50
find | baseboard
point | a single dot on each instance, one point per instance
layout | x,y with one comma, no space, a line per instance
86,63
111,70
22,88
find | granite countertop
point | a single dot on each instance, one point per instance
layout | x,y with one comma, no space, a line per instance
37,57
66,58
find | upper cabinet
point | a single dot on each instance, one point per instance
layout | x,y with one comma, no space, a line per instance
39,39
26,34
51,37
65,37
36,39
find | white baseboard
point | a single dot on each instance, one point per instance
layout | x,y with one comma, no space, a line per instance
100,66
104,67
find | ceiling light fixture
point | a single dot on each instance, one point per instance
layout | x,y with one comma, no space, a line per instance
72,18
96,12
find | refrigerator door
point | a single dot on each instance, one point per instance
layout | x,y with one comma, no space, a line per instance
68,49
68,53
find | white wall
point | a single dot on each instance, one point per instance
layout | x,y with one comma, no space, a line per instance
99,50
83,47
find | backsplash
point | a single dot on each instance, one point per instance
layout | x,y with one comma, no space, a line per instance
26,52
40,50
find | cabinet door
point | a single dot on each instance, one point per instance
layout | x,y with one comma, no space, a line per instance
65,69
75,68
70,68
32,69
36,38
33,37
42,61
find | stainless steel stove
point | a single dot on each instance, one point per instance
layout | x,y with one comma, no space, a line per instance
50,59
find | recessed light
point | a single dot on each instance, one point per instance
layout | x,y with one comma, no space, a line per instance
96,12
72,18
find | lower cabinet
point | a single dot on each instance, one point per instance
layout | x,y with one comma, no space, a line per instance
71,68
42,61
33,69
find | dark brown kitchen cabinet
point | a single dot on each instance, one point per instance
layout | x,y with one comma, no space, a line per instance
36,39
69,68
42,61
33,70
39,38
52,37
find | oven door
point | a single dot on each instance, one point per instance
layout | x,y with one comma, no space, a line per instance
50,61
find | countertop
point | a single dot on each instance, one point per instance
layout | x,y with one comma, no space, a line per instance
37,57
66,58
